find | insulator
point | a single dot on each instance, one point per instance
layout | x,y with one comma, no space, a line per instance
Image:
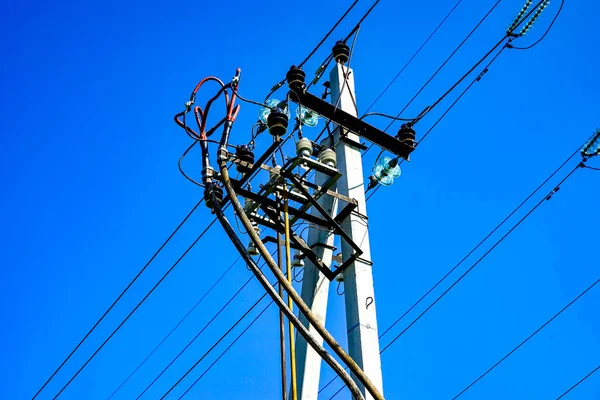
274,173
341,52
217,190
252,250
296,79
304,147
272,104
297,262
307,117
328,157
386,170
340,277
592,146
277,122
243,153
406,134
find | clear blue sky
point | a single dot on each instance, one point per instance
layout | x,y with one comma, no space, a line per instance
90,188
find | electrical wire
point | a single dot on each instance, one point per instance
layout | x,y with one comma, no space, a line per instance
578,383
214,346
477,79
544,199
412,58
227,348
313,51
538,330
136,307
483,241
536,190
464,41
119,297
181,321
562,3
231,299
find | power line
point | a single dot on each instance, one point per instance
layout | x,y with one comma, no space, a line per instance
481,21
485,239
175,327
227,349
136,307
119,297
578,383
214,345
413,57
198,334
544,199
527,339
314,50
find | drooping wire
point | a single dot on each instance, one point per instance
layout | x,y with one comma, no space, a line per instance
538,330
562,3
181,321
227,348
193,340
579,382
136,307
129,285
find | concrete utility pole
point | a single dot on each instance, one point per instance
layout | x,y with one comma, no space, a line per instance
361,316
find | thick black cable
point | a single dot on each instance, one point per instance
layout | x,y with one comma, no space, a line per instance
136,307
119,297
175,327
578,383
227,348
527,339
562,3
193,340
413,57
480,259
214,346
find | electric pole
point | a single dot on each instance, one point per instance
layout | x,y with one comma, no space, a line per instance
361,317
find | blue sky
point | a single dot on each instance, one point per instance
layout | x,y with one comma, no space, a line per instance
91,189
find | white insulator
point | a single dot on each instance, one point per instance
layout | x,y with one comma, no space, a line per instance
297,262
274,173
340,277
304,147
252,250
328,157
